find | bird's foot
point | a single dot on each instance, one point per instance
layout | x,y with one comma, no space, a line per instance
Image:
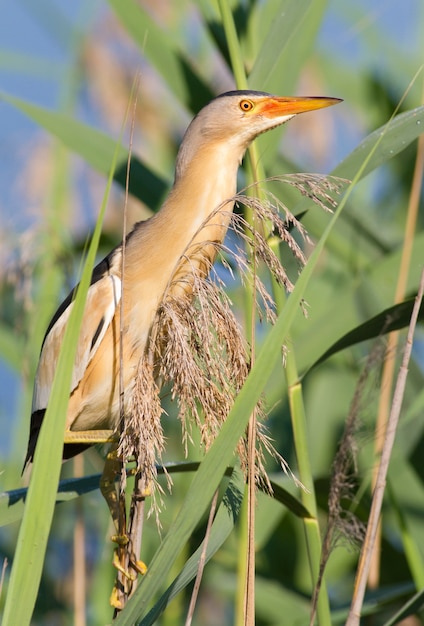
121,540
131,576
114,599
128,567
136,564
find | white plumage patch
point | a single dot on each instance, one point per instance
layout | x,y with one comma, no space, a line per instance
102,299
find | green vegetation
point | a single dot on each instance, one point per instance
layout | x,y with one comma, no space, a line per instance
359,282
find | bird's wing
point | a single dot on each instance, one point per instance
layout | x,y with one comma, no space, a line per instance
102,299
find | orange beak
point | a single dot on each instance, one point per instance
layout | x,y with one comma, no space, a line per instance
275,106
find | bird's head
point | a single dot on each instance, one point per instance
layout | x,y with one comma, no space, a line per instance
235,118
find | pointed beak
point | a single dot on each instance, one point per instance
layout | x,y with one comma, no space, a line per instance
276,106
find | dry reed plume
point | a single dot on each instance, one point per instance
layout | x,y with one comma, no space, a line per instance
198,346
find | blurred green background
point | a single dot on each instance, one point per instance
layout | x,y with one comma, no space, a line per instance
80,61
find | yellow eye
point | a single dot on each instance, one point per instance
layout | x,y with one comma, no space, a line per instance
246,105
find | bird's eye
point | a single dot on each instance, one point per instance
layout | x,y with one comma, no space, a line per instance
246,105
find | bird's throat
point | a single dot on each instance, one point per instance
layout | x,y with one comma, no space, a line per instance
166,254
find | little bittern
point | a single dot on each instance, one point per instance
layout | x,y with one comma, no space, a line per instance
183,234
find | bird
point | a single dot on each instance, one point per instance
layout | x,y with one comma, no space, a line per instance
186,231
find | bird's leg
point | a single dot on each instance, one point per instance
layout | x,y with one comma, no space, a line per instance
112,494
135,526
127,563
125,556
115,498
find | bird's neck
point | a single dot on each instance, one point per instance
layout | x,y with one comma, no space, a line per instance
190,224
204,183
199,206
